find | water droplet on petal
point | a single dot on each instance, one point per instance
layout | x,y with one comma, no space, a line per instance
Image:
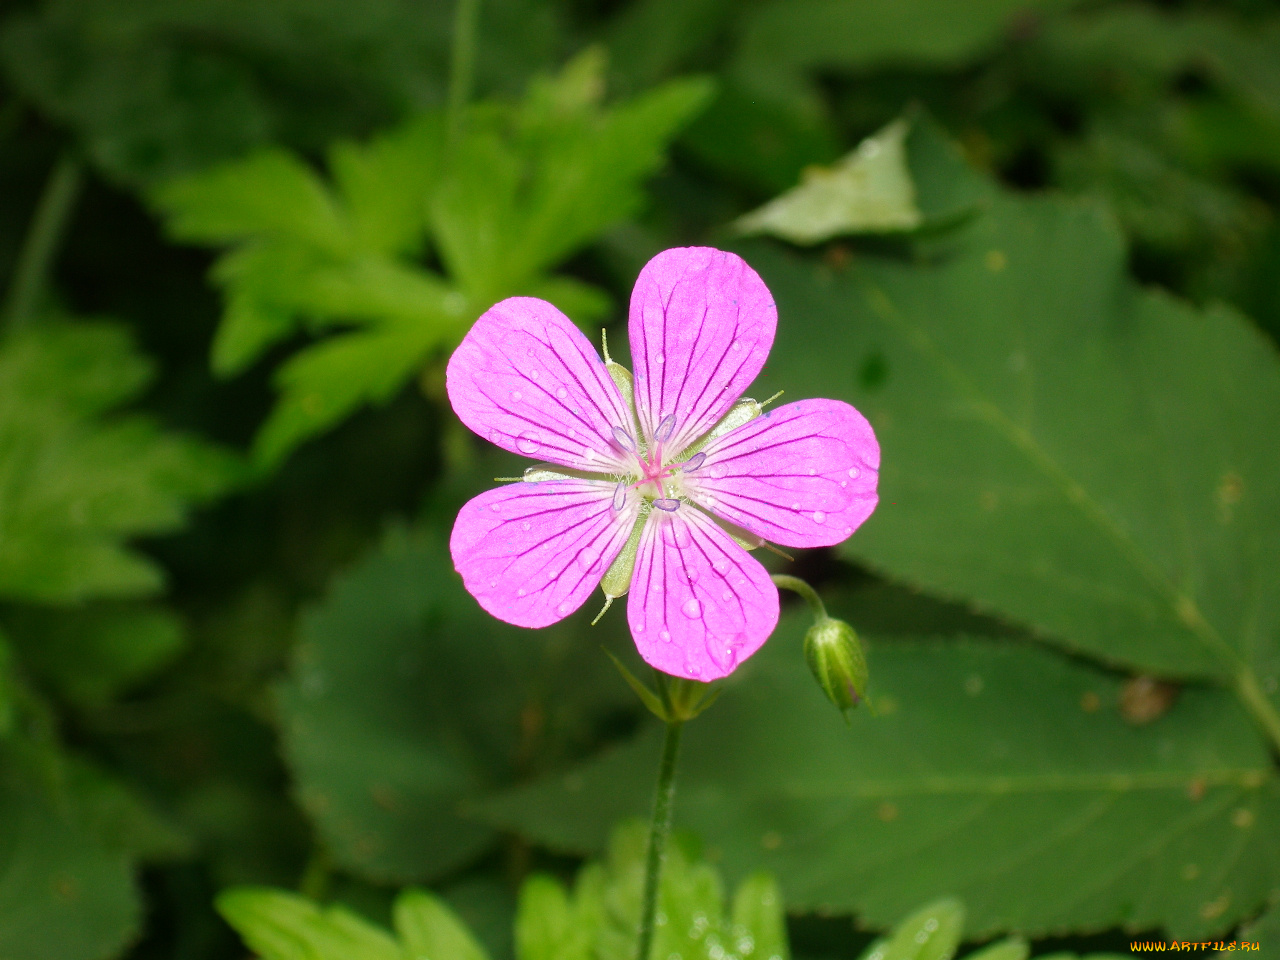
691,608
525,526
588,559
495,507
531,353
665,635
665,428
795,506
844,483
493,584
727,595
813,472
676,534
721,567
819,517
564,609
520,592
517,396
533,374
660,359
692,669
694,462
692,574
735,345
716,472
854,473
848,530
561,393
528,442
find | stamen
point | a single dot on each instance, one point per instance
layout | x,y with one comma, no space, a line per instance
693,463
624,440
671,506
604,343
620,495
771,399
772,549
665,428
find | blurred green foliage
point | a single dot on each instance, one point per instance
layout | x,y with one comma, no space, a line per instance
1037,243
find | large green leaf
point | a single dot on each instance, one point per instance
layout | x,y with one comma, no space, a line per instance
63,895
76,479
1094,460
526,186
1000,773
406,700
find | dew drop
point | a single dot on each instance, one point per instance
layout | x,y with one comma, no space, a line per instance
693,669
665,635
854,473
727,595
735,345
520,592
660,359
694,462
721,567
813,472
528,442
692,574
819,517
848,530
531,353
525,526
795,506
495,507
844,483
533,374
564,609
692,608
676,534
493,584
561,393
516,396
588,559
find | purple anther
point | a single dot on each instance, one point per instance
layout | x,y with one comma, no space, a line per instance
693,463
624,439
665,428
620,495
671,506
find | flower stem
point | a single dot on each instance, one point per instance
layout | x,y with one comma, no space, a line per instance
52,212
658,832
796,585
461,68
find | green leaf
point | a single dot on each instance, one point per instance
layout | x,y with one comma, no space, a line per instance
528,185
63,895
548,926
6,687
91,654
931,933
406,700
428,928
1001,773
1088,458
868,191
758,910
283,926
1014,948
77,480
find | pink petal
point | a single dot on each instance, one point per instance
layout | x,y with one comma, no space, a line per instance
701,326
699,604
531,553
802,475
525,378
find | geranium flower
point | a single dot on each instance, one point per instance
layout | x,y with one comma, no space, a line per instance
670,489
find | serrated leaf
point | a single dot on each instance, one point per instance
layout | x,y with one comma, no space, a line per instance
63,895
1083,456
428,928
406,700
283,926
868,191
1004,774
759,914
547,927
75,483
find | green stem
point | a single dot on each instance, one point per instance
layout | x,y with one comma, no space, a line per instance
796,585
31,272
461,69
658,832
1262,710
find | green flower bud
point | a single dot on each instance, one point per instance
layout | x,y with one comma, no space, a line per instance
835,656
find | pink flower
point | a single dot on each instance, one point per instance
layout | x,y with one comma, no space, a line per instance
687,474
